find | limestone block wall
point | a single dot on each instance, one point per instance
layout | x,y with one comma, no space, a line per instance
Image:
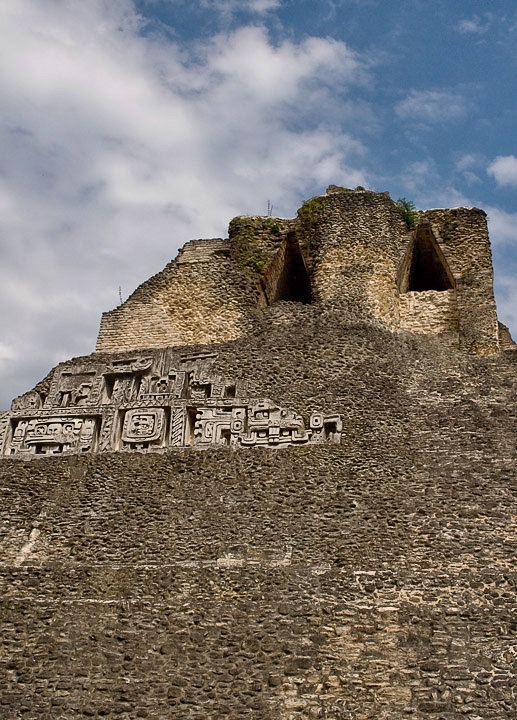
350,252
355,240
203,296
369,579
462,234
429,312
505,339
357,243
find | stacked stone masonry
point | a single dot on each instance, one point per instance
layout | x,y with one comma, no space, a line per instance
361,569
346,251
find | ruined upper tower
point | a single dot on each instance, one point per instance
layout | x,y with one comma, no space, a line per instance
351,252
354,256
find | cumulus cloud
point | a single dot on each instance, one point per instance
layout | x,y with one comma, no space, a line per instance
432,107
120,147
502,227
504,170
418,176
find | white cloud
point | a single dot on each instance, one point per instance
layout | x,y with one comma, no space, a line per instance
7,352
504,170
475,25
467,162
118,148
420,175
506,290
467,165
503,226
432,107
254,7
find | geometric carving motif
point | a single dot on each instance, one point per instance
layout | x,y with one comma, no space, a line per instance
130,366
53,435
74,387
213,426
271,425
4,422
178,427
29,401
123,389
147,404
143,426
245,423
163,388
325,428
105,443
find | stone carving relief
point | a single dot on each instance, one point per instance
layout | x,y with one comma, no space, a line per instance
143,427
129,366
161,388
29,401
53,435
106,442
74,387
4,422
150,404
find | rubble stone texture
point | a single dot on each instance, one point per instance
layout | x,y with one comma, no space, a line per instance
282,488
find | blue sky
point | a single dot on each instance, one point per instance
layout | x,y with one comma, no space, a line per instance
128,127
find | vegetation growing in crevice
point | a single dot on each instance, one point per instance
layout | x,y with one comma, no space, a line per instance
255,240
249,255
309,215
409,211
448,226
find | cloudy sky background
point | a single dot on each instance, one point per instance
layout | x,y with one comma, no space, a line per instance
128,127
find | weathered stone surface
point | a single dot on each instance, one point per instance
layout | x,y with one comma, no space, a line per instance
368,578
347,251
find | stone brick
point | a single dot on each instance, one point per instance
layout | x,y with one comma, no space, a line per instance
145,576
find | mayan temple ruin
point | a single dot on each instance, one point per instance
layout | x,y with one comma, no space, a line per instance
283,487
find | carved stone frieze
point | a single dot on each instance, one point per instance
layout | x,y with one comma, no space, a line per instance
54,435
129,365
29,401
4,423
78,386
107,441
150,404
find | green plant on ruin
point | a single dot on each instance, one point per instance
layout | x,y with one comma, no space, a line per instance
447,228
272,225
256,262
249,255
309,215
409,211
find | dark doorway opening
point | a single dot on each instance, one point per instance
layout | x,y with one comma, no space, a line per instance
425,266
287,277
